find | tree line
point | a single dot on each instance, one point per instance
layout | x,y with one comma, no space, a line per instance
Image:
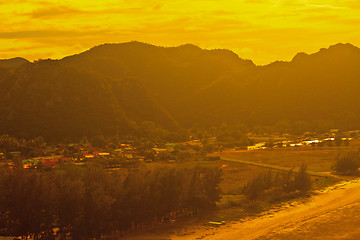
73,202
29,147
272,185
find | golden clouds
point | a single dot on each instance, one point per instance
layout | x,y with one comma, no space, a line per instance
261,30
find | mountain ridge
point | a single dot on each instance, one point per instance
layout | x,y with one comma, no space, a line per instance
186,86
58,102
281,89
162,70
334,46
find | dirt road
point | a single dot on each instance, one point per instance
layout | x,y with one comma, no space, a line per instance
333,214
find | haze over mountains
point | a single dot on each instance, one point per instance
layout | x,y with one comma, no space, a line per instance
115,87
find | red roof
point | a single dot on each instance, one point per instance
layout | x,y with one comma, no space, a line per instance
48,163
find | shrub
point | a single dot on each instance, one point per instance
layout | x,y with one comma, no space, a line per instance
268,184
302,180
348,162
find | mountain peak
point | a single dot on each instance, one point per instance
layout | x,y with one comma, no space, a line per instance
343,46
12,63
340,48
337,51
189,46
132,44
299,57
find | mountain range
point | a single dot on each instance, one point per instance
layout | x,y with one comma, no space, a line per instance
113,88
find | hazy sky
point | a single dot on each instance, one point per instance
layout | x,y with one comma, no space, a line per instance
263,31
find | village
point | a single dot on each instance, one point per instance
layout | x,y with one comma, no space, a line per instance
128,169
131,154
331,138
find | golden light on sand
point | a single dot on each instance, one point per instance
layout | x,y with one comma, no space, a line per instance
263,31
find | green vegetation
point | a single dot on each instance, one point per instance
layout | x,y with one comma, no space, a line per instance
142,184
275,185
128,104
279,94
348,163
318,160
59,103
28,148
87,202
117,89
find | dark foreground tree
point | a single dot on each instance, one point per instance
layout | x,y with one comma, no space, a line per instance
87,202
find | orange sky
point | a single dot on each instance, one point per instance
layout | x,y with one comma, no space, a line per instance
263,31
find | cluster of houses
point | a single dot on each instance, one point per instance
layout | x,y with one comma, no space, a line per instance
308,141
52,156
78,153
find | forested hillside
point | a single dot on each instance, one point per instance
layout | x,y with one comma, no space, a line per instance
170,74
57,102
320,89
113,88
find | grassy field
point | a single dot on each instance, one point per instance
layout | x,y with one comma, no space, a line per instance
316,159
236,175
233,206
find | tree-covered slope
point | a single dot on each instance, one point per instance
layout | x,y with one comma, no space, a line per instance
45,98
318,88
169,73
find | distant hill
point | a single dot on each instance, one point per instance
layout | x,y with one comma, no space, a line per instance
12,63
57,102
321,89
115,87
170,74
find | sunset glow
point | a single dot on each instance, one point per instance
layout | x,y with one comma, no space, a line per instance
263,31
